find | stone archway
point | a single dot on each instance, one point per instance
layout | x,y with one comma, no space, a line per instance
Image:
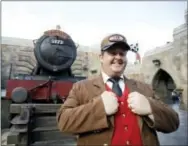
163,84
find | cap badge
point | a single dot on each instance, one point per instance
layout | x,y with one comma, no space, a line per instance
116,38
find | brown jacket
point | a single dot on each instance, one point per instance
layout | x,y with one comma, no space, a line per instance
83,114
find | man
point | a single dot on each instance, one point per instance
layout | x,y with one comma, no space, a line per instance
175,96
113,110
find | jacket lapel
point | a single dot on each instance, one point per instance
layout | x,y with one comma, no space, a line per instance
131,84
99,86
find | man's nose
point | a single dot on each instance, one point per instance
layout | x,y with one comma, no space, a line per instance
118,55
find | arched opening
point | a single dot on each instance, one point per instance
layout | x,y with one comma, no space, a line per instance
163,84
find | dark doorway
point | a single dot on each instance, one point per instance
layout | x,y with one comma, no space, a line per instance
163,84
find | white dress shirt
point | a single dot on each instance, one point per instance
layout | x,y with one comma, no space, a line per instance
109,83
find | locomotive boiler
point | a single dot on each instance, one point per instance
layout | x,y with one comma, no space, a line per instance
35,98
51,79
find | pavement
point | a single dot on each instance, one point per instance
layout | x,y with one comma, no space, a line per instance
180,136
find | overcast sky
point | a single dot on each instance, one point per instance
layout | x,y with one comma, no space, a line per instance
150,24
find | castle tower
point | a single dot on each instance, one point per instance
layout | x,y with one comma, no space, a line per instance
185,16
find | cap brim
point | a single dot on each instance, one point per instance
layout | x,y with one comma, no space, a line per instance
124,44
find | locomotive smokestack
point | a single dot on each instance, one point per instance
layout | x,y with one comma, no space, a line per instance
58,27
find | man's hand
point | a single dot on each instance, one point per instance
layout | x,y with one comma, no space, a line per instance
110,102
139,104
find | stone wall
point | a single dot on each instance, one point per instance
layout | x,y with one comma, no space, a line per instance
180,42
133,71
173,58
10,61
94,65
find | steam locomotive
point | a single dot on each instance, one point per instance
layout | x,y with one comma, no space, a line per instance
36,97
52,78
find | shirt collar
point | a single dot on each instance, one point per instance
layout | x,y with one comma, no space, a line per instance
106,77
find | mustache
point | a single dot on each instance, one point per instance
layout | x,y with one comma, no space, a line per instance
120,61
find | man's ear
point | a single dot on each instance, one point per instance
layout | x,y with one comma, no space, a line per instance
126,61
101,57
